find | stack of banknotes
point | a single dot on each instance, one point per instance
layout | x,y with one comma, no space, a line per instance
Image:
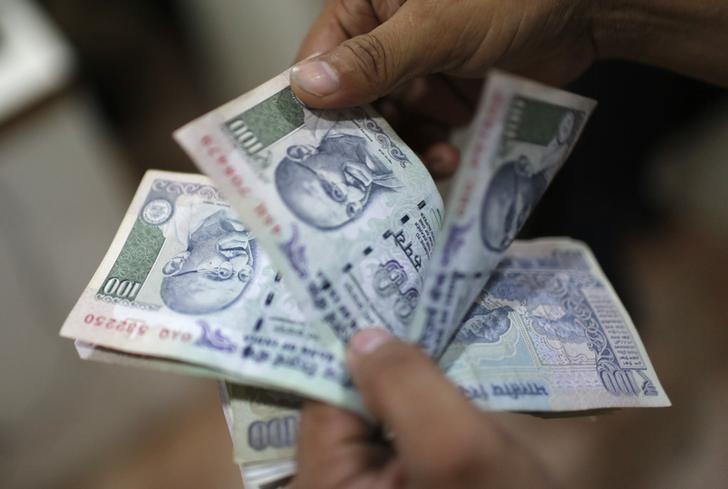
311,225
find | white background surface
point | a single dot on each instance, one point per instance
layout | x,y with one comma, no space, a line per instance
34,58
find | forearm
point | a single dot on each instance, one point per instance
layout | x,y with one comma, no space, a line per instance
686,36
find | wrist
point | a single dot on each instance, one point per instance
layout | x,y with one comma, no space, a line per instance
687,36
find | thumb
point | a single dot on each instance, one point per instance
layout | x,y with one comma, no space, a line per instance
369,66
429,417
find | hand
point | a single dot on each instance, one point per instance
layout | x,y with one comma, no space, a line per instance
428,55
439,439
408,50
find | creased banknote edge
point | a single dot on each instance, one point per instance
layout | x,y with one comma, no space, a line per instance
636,337
189,137
312,390
497,80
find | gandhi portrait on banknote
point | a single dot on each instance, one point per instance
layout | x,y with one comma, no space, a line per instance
331,184
519,183
214,270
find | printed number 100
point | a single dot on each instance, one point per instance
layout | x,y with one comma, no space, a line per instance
123,289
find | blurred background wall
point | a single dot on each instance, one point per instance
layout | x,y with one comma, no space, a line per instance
77,130
111,80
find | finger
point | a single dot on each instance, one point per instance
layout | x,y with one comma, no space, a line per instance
468,90
388,109
441,159
430,141
339,21
435,98
368,66
436,429
334,447
420,133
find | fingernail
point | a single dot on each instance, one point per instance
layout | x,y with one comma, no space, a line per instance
368,340
316,77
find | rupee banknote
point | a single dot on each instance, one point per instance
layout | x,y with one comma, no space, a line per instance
263,428
263,424
547,334
345,210
185,286
275,475
257,337
523,133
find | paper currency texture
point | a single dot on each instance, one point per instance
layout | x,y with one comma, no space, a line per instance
344,208
332,227
184,280
523,132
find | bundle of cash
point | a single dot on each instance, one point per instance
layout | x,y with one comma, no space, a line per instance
316,224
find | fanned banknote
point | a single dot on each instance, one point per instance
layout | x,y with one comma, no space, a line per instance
185,281
186,286
335,225
264,424
275,475
258,338
263,428
547,334
346,211
523,133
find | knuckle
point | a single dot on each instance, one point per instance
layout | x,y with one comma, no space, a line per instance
347,9
351,15
371,57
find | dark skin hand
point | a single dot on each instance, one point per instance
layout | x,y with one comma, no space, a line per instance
422,61
419,86
439,438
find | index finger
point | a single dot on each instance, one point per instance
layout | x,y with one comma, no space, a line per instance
437,430
338,21
334,448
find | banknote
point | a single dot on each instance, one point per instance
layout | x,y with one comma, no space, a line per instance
263,423
548,334
275,475
345,210
185,286
523,132
97,353
264,448
259,338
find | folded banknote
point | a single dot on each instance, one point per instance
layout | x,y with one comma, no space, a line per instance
547,333
328,224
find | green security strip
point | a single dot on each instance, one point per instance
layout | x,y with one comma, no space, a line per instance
267,122
535,122
134,262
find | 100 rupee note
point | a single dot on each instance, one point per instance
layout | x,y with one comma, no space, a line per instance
185,281
263,424
548,334
522,134
346,211
187,286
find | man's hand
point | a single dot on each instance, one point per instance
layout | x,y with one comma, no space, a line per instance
429,56
438,438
